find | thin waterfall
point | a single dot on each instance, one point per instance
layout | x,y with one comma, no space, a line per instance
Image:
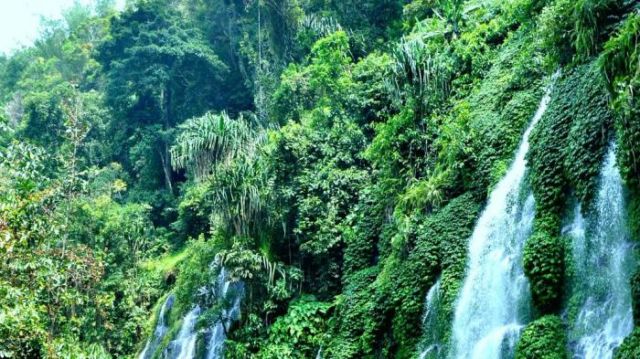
603,260
431,323
184,345
230,293
159,331
493,304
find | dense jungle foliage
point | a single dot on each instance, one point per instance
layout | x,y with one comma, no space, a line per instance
333,155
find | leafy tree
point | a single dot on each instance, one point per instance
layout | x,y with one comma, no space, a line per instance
154,64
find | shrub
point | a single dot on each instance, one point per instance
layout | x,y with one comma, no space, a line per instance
297,334
543,339
544,266
356,319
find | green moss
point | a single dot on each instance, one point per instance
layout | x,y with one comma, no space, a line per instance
381,313
440,248
544,266
589,134
568,146
166,264
193,272
635,296
363,231
567,149
413,276
201,345
545,157
630,347
633,210
356,318
454,250
496,112
543,339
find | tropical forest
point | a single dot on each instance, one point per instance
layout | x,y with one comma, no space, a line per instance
328,179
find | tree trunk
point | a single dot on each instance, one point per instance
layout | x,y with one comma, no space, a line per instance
165,158
166,166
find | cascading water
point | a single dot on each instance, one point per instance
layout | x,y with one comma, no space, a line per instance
494,300
432,345
603,259
160,330
231,294
184,346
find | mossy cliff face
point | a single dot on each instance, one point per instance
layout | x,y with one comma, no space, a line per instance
384,162
567,151
333,156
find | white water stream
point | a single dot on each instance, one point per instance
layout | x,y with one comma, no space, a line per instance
231,294
432,345
228,294
603,260
184,345
160,330
493,304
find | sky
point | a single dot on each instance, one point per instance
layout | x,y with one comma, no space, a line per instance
20,19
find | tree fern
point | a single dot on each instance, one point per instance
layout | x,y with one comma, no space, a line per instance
420,72
224,153
212,139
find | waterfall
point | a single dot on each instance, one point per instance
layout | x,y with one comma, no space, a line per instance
603,260
184,346
230,293
494,304
160,330
432,345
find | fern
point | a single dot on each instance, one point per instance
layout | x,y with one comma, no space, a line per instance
224,153
204,141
